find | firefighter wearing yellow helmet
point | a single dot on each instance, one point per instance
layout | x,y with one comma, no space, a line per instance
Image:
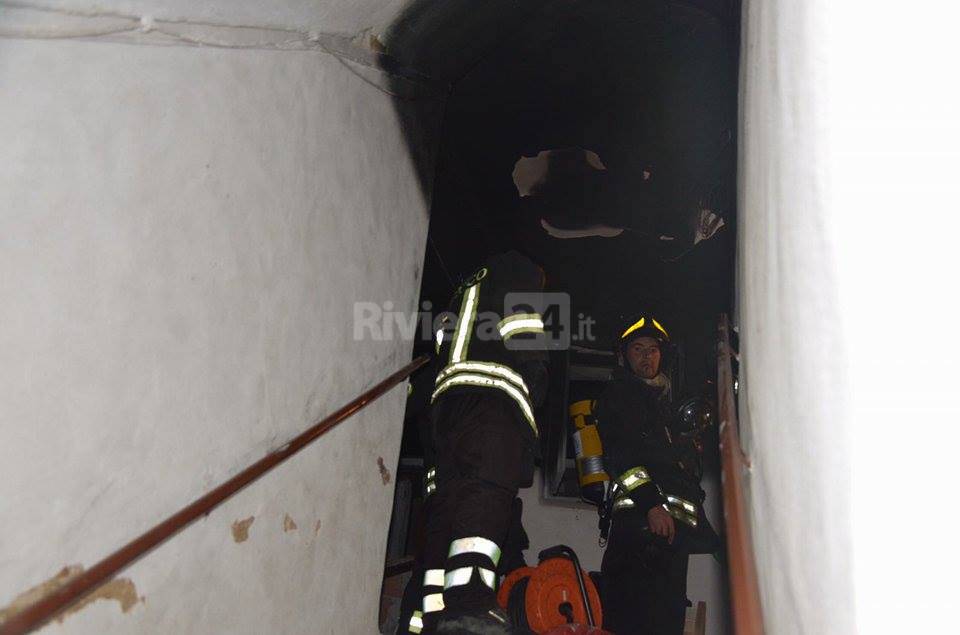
644,576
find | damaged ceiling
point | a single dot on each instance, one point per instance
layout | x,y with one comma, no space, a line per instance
648,87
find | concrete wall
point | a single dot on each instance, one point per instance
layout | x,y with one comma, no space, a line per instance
574,525
183,233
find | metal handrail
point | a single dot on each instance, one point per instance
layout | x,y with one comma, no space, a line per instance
51,605
744,588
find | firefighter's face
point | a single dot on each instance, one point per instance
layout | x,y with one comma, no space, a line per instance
643,355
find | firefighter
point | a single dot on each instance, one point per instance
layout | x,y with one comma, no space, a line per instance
418,410
411,609
485,438
652,503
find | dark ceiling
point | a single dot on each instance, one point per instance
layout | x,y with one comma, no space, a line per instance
646,85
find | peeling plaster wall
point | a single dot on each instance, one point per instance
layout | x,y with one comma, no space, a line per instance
183,233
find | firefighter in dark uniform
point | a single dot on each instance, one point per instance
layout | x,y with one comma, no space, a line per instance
516,542
485,438
418,410
655,503
411,606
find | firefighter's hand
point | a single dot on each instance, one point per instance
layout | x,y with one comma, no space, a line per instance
661,523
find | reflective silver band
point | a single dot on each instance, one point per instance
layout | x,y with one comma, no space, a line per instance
681,515
520,323
457,577
433,603
463,575
433,577
430,481
416,622
623,503
687,505
591,464
475,544
520,330
634,478
468,313
485,368
484,381
439,340
519,317
489,577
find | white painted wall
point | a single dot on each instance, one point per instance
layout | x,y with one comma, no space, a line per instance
896,229
554,523
345,17
848,259
793,386
183,233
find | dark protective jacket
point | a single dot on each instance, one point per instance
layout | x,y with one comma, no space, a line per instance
630,419
477,345
633,419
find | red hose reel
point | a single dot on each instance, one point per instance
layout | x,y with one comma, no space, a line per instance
552,597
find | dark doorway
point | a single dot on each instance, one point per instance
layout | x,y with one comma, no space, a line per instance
599,139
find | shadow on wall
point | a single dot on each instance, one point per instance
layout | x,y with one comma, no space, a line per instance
440,42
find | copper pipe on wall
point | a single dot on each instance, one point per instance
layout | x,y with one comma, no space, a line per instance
744,589
42,611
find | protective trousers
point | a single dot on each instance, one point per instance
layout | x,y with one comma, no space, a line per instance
483,458
644,580
411,606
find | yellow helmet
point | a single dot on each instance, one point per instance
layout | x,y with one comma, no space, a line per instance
642,325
